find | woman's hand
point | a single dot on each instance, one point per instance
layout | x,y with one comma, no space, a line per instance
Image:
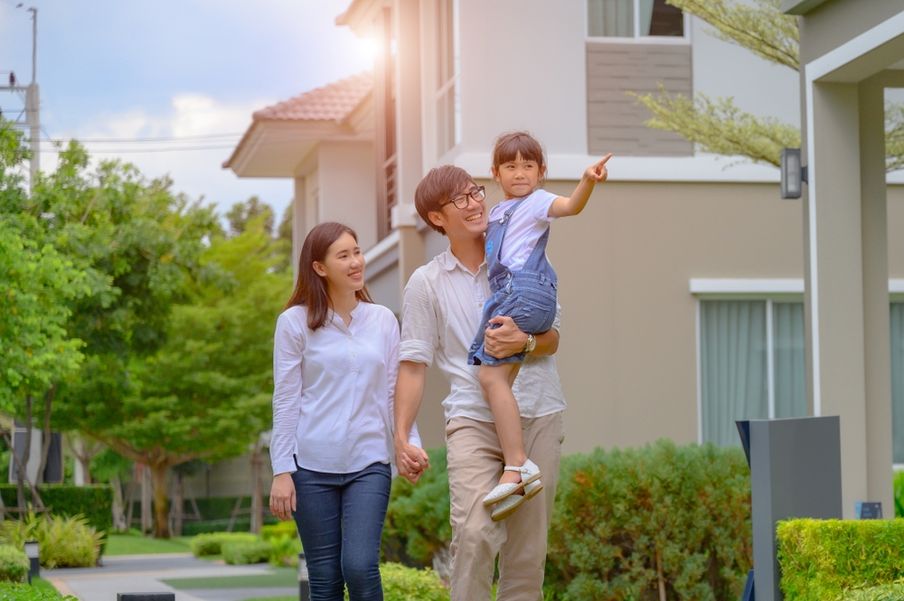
282,496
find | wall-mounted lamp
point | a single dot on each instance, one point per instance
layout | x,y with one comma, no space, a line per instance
793,174
32,551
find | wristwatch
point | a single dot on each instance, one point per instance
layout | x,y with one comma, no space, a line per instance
530,345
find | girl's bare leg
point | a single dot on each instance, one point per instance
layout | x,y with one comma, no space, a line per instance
496,381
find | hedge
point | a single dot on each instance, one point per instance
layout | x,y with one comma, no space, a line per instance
417,519
14,564
94,502
661,521
824,559
899,494
204,545
402,583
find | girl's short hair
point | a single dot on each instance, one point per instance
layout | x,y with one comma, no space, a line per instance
310,288
510,144
437,188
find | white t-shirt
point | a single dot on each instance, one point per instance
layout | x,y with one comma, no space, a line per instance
441,312
525,227
333,391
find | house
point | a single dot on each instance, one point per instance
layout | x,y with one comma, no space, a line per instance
682,283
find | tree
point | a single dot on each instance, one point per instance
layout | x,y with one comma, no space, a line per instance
242,212
719,126
205,392
38,285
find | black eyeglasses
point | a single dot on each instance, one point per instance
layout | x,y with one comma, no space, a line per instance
461,201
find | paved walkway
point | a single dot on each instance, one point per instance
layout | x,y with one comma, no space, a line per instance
143,574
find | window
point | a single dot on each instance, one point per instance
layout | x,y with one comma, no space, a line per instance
446,93
634,19
751,364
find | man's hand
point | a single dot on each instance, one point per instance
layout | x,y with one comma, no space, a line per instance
505,339
411,461
282,496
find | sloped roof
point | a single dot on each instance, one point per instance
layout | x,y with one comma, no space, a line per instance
332,102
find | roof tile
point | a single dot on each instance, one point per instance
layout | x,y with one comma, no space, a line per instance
332,102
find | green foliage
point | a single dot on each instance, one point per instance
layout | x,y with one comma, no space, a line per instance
759,26
25,592
13,564
402,583
660,520
719,126
417,520
284,549
887,592
204,545
64,541
279,529
822,559
899,494
242,552
94,502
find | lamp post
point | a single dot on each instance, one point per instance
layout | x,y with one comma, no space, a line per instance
32,551
304,584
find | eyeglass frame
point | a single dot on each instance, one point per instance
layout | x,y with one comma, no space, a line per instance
480,191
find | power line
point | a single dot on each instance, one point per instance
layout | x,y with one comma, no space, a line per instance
147,150
145,139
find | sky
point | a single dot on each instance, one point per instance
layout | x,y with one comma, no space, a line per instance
189,71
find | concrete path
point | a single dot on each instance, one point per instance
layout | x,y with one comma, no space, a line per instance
143,574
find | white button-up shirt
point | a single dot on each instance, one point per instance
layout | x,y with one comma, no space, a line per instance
441,312
333,391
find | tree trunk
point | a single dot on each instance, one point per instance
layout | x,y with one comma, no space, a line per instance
145,477
177,504
257,504
659,576
161,514
45,439
22,462
119,516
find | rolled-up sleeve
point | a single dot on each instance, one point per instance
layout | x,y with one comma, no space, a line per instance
288,347
419,327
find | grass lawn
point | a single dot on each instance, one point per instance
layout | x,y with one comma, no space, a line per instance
276,577
135,544
290,598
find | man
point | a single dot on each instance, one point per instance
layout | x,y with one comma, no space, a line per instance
441,311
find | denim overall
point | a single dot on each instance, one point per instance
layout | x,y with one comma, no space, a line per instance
528,296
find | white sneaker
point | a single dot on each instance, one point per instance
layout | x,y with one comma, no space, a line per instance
511,503
529,473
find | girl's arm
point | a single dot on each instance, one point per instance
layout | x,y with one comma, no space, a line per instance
567,206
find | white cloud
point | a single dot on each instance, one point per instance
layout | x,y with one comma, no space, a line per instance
194,164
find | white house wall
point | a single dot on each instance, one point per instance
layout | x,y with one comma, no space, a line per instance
348,187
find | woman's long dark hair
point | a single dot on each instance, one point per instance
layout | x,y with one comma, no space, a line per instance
310,288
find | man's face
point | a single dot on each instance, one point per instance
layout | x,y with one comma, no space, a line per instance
463,215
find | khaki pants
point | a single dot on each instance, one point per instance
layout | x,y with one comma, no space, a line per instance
475,463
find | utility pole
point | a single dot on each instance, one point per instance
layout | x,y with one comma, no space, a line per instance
32,100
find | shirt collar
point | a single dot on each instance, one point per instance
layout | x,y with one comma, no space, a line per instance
448,261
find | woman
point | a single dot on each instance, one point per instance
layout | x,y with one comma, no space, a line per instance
335,359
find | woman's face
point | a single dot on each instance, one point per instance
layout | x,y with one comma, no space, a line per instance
343,265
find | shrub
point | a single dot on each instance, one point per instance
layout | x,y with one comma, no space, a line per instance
25,592
822,559
204,545
13,564
244,552
279,529
284,550
64,541
657,521
417,520
887,592
401,583
94,503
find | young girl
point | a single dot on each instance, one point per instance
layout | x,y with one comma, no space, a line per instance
523,286
335,360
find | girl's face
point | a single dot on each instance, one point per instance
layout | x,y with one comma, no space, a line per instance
343,265
518,178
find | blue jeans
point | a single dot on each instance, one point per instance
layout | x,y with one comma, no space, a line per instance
340,521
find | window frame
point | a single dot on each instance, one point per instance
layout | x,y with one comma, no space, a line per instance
636,38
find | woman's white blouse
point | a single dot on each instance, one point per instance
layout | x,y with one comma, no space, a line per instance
333,391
